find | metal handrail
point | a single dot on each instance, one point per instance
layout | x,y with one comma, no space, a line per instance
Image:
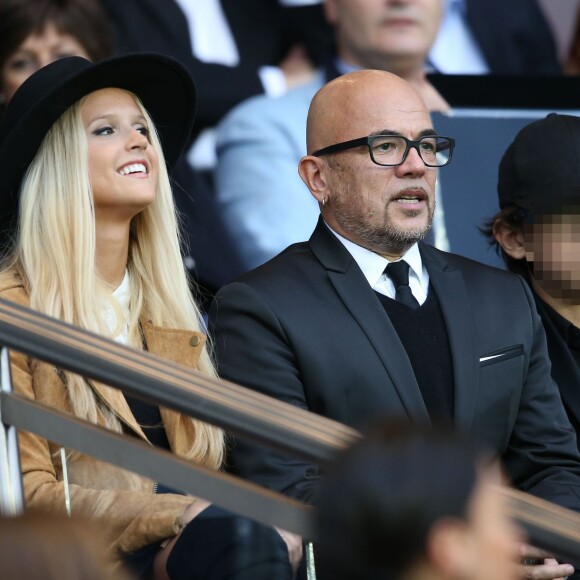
162,382
235,408
139,373
135,455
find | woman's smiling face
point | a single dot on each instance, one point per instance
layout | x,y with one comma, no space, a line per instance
123,164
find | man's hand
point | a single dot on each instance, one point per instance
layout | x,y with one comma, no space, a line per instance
550,569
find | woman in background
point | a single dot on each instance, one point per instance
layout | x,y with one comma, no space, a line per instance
34,33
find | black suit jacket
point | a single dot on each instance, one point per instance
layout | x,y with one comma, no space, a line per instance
308,329
514,36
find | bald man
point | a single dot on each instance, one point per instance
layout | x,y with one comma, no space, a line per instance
334,326
261,196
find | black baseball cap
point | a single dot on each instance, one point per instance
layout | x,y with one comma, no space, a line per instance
540,170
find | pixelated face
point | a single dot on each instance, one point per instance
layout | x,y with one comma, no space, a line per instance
372,32
553,245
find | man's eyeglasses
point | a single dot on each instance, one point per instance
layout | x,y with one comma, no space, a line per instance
392,150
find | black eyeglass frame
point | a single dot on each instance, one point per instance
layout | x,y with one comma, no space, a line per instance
369,139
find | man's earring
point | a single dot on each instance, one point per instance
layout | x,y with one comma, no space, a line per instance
323,201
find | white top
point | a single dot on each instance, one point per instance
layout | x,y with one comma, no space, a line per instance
121,295
373,267
211,37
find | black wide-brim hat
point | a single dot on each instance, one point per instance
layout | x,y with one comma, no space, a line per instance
164,86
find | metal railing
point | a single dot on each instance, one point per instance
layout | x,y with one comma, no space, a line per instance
163,382
236,409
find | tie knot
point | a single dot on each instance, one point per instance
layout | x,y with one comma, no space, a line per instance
398,272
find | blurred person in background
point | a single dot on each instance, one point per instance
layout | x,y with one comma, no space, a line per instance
494,36
263,201
415,503
34,33
38,546
233,49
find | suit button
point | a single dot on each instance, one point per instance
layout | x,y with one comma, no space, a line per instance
194,340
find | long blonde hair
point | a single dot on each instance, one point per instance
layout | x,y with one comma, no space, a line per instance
55,255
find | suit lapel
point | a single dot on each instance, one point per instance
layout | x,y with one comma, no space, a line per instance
456,308
363,305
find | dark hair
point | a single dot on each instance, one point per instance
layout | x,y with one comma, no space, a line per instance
85,20
512,217
379,502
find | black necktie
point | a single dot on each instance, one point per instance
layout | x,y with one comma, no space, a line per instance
398,272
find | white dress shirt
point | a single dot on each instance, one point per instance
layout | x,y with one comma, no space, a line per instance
211,37
373,267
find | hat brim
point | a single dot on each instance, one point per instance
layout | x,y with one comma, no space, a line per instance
164,86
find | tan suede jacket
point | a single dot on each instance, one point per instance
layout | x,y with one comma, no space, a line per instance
125,502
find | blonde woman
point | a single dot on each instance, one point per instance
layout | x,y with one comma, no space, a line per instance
96,245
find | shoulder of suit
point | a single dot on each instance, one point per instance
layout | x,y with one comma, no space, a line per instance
468,264
295,256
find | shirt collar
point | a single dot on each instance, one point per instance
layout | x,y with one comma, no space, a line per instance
372,265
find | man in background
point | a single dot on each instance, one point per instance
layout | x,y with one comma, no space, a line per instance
262,199
409,503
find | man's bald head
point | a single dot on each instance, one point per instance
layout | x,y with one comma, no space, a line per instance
356,102
382,208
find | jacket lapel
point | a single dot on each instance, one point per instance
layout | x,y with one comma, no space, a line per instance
364,306
180,346
456,308
116,401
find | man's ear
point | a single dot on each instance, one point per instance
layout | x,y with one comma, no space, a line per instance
510,238
448,548
311,171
